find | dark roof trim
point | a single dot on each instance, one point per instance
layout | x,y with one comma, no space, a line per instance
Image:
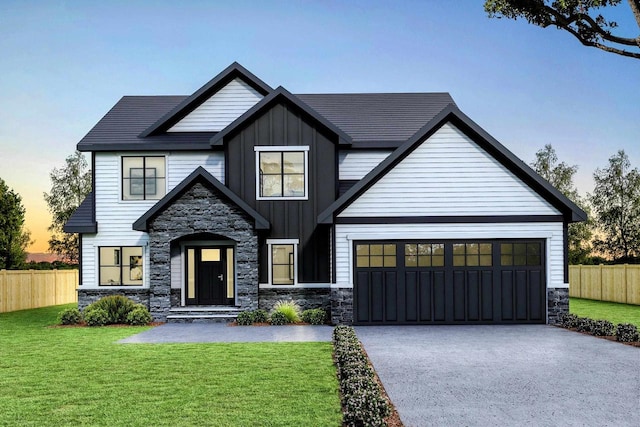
451,113
203,176
448,219
191,103
83,220
280,94
146,146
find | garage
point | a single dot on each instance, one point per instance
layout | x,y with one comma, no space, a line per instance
449,282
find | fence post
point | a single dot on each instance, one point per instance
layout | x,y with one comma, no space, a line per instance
3,291
626,280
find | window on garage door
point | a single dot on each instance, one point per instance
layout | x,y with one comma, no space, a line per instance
521,254
376,255
424,255
472,254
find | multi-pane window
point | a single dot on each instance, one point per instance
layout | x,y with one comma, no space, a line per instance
472,254
120,266
281,174
424,255
521,254
143,178
283,264
376,255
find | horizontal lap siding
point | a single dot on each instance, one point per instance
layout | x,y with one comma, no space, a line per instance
552,231
448,174
355,164
116,217
222,108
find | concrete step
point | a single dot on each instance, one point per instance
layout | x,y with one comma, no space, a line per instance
203,314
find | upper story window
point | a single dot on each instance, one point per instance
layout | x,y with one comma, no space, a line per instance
282,173
143,178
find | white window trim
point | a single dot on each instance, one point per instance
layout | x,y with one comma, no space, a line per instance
145,266
121,200
304,148
295,243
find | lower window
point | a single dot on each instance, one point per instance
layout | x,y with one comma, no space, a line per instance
282,254
120,266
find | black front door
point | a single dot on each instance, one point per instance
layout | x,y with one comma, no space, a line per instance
207,276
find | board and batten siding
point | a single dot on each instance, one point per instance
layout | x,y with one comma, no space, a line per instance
346,234
222,108
115,217
448,174
355,164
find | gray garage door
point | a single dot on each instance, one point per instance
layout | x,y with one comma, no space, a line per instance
449,282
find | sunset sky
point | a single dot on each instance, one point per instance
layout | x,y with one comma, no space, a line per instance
65,63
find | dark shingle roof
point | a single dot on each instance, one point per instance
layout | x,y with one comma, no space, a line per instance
83,219
378,117
120,127
371,119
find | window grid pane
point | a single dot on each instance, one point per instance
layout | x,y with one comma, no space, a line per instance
376,255
282,263
143,178
120,266
281,174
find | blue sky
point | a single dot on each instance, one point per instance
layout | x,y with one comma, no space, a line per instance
65,63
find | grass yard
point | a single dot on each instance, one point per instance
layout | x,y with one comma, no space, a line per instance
611,311
80,376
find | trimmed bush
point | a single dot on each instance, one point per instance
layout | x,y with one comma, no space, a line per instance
362,398
315,316
602,328
117,308
584,324
278,318
96,317
70,316
260,316
245,318
139,316
568,320
290,309
627,332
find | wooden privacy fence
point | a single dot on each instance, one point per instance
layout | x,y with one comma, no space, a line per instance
616,283
23,289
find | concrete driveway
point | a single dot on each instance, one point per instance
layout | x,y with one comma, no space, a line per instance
505,375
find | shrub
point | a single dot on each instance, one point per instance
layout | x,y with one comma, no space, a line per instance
315,316
245,318
278,318
584,324
602,328
96,317
362,398
139,316
568,320
117,307
260,316
290,309
70,316
627,332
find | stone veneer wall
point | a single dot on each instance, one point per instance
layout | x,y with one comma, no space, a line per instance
557,304
342,306
200,210
88,296
306,297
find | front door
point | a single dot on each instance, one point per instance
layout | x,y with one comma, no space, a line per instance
210,276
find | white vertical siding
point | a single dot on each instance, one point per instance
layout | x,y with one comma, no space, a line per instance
222,108
355,164
115,217
448,174
551,231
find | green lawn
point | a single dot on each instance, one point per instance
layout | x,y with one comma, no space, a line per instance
79,376
612,311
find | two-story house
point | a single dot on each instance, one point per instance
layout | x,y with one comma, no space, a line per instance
379,207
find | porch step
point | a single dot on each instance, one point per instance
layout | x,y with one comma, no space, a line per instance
203,314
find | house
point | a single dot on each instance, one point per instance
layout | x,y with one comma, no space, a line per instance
384,208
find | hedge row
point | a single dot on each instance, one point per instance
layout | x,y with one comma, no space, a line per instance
110,310
362,399
624,332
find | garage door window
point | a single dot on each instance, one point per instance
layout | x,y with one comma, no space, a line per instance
424,255
380,255
472,254
520,254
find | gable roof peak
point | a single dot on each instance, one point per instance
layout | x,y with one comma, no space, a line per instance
235,70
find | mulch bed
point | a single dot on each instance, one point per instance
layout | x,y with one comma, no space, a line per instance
609,338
